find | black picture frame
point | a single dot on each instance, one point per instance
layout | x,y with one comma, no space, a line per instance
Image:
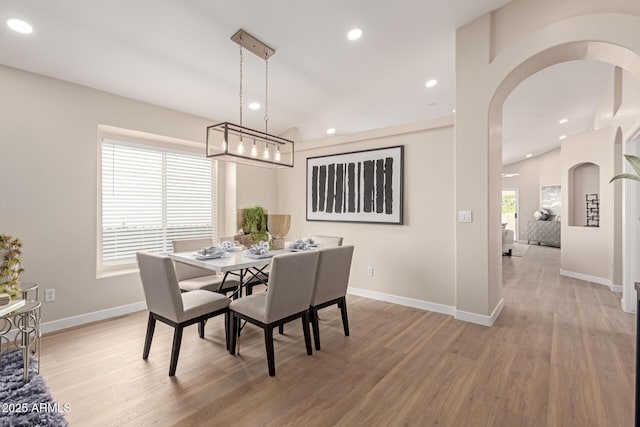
364,186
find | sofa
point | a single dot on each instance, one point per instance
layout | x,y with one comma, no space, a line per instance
507,240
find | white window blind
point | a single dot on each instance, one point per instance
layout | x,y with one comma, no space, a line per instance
151,196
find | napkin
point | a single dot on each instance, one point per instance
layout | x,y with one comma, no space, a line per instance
299,245
210,253
309,241
261,248
227,246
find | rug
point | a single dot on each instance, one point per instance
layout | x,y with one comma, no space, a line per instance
519,249
30,404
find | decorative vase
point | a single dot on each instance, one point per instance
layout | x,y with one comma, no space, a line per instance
278,226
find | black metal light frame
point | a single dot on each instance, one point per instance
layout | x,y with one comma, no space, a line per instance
246,135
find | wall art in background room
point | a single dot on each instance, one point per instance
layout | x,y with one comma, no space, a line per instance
552,199
361,186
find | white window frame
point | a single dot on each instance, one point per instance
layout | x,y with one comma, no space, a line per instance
136,138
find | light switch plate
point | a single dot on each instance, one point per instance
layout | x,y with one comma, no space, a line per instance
465,216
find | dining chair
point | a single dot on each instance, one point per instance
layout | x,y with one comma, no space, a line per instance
326,241
167,304
330,286
191,278
290,289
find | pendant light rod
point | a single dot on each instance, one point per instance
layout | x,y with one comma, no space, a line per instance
252,44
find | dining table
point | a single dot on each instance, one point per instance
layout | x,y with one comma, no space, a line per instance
246,267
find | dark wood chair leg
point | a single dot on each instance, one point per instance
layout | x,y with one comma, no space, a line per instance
343,310
307,334
151,327
233,324
281,329
175,350
201,328
268,341
313,314
227,325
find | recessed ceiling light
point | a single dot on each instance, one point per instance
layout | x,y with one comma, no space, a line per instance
331,131
453,111
563,121
528,156
354,34
431,83
254,106
510,175
20,26
561,137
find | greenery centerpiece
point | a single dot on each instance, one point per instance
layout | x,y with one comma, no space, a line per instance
254,223
11,266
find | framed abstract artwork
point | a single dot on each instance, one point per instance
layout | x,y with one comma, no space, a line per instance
361,186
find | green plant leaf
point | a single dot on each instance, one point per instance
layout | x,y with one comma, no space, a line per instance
625,176
634,161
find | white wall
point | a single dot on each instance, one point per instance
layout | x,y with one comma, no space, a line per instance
587,250
48,171
414,260
495,53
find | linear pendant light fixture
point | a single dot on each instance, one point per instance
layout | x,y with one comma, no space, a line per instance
236,143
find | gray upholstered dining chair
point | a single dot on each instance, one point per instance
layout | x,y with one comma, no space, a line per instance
330,287
167,304
326,241
191,278
290,288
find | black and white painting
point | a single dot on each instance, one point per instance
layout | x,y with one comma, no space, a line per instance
552,199
361,186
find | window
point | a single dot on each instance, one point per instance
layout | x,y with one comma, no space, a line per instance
150,196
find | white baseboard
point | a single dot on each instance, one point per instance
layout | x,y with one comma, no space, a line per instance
431,306
592,279
616,288
68,322
409,302
625,308
479,318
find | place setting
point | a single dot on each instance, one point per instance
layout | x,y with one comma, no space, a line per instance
218,251
304,244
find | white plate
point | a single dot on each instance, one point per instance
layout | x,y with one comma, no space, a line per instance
207,257
269,255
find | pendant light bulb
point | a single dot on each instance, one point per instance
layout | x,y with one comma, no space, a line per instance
278,153
265,154
254,149
240,148
224,145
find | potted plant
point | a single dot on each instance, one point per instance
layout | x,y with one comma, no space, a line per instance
11,265
253,221
634,161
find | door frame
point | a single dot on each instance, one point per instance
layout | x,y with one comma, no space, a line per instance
516,190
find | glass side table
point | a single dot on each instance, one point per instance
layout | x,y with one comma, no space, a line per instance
20,328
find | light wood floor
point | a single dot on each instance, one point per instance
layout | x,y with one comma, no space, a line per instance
561,354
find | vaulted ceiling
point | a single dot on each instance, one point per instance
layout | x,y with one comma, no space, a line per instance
178,54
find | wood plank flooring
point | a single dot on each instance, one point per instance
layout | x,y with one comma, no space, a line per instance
561,354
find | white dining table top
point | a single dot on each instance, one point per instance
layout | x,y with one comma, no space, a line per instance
230,262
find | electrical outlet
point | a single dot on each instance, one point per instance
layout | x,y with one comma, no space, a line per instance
370,271
49,295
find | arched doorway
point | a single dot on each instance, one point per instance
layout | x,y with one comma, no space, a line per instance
492,78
